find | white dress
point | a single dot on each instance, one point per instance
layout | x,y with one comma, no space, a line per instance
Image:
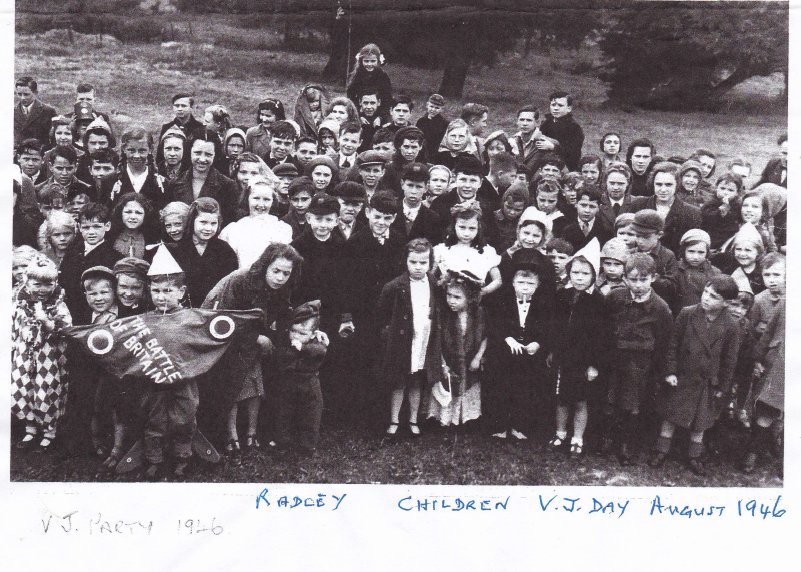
249,236
460,257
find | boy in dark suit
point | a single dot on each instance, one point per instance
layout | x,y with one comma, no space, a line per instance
433,124
31,116
415,220
560,125
589,225
89,250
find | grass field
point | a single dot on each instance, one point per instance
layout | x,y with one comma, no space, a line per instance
134,84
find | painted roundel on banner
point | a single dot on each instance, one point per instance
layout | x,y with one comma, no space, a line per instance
100,342
221,327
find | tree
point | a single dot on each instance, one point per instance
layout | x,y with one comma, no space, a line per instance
665,55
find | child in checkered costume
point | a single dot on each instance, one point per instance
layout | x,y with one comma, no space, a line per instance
38,386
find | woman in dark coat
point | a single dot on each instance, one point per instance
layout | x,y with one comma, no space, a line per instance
211,183
237,377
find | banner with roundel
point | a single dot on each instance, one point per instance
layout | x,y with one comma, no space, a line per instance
165,348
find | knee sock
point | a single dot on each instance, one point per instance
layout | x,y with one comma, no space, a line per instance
695,449
663,444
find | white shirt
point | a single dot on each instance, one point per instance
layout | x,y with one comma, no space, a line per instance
522,311
586,227
410,213
349,158
347,229
89,248
420,292
382,237
113,311
137,181
251,235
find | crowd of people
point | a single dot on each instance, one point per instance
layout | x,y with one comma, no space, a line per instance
413,275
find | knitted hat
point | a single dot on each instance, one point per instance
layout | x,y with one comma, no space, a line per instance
306,311
174,132
323,204
301,184
416,172
286,169
696,235
408,132
615,249
436,99
369,157
648,221
132,266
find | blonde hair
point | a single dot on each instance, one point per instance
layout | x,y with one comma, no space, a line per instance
42,268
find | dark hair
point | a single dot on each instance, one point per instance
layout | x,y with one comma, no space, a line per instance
731,178
515,195
305,139
503,161
94,212
419,245
589,159
384,202
368,90
273,252
561,94
471,111
67,153
383,135
561,246
552,159
782,138
31,144
104,156
271,104
27,81
202,205
642,263
471,288
350,127
283,130
724,285
207,137
543,185
84,88
763,200
99,130
184,95
529,109
609,134
479,242
150,225
664,167
589,190
300,185
745,299
402,98
641,142
618,167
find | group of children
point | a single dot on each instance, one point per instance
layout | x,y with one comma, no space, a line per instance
424,272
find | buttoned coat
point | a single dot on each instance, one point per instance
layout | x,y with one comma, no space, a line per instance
36,124
702,355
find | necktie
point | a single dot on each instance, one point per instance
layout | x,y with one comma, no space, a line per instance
345,164
585,228
616,208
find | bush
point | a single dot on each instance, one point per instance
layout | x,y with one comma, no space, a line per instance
123,27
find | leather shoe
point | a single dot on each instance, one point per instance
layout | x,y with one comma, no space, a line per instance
657,460
697,467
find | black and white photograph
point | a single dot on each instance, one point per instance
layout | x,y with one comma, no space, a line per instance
399,242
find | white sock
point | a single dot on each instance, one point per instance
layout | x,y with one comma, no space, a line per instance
577,441
562,435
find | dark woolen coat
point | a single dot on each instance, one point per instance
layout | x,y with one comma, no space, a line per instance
36,124
153,190
320,279
376,81
442,206
504,322
396,323
720,228
427,224
216,186
680,218
72,266
570,137
600,230
433,129
607,213
703,356
193,129
769,351
690,283
772,173
203,271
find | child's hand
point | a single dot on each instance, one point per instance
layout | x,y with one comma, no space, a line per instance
532,348
265,344
516,347
544,145
592,373
322,337
39,313
672,380
475,363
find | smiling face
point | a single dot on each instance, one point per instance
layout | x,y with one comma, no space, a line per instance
281,147
174,226
368,105
202,156
322,224
267,117
371,174
99,295
378,221
130,290
369,62
305,152
321,176
495,148
339,112
133,215
467,186
278,273
349,209
260,199
751,210
529,236
205,227
746,254
40,289
136,153
349,143
690,180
